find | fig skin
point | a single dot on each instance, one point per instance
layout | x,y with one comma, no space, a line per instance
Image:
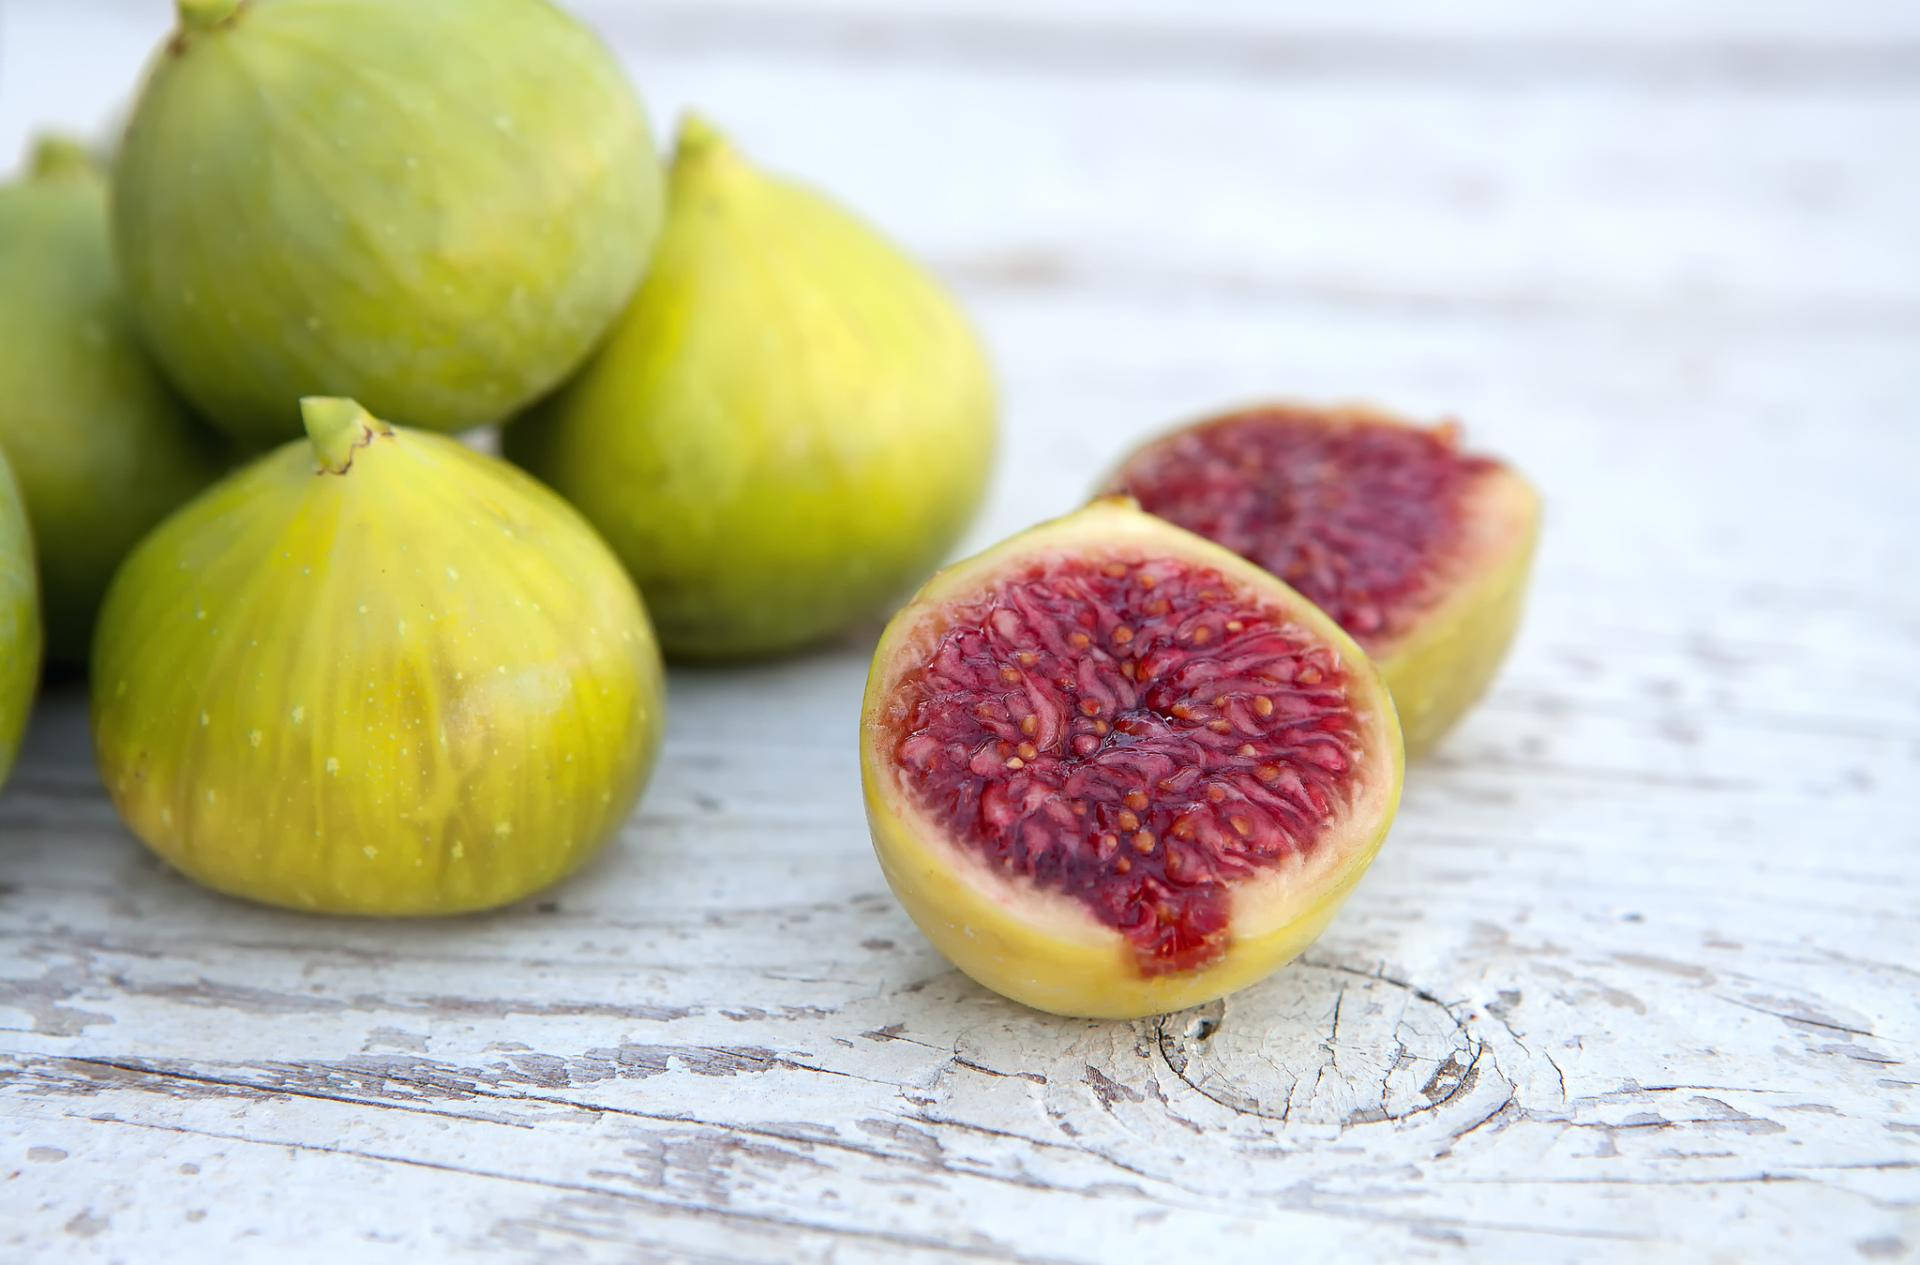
20,633
1446,660
436,207
375,672
1041,947
791,425
1444,666
101,446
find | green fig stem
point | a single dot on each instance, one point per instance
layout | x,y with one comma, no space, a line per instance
697,133
698,141
336,427
56,157
204,15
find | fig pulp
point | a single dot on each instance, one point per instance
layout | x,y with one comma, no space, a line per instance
1112,769
436,206
19,621
375,672
1419,550
102,448
790,426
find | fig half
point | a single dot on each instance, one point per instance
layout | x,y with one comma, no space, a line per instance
375,672
20,634
1418,549
1112,769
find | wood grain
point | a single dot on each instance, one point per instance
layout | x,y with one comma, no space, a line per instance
1635,976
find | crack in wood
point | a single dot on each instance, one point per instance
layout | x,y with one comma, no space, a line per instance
1456,1073
1032,1078
1803,1020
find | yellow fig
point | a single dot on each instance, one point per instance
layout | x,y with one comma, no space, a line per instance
101,446
790,426
375,672
436,206
19,621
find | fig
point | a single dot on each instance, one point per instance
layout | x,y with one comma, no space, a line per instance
100,445
20,635
790,426
437,207
1417,548
1112,769
374,672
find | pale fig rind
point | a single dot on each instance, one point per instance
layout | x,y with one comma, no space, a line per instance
375,672
436,207
1040,946
791,425
20,633
1441,664
101,446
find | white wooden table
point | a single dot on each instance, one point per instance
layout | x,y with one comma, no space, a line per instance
1638,973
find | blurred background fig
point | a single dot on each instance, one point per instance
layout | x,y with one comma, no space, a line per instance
1418,548
791,425
101,446
375,672
20,634
435,206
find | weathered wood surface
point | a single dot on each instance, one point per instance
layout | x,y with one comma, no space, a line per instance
1636,976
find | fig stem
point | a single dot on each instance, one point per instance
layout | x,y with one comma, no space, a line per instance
697,139
336,427
204,15
57,156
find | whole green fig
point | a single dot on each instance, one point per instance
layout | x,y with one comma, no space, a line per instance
791,424
436,206
375,672
19,621
101,446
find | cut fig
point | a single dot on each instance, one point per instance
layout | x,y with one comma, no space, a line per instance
1112,769
1419,550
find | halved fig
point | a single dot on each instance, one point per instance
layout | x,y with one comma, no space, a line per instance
1421,551
1112,769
